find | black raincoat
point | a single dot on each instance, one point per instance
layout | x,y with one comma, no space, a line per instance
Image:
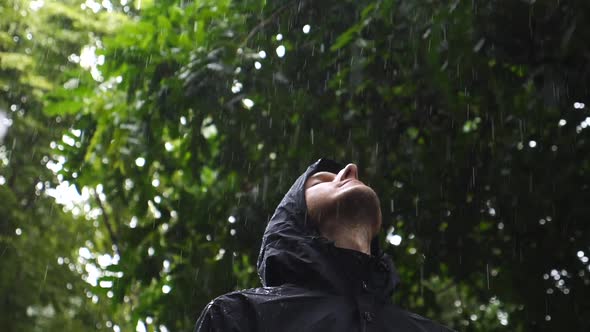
311,285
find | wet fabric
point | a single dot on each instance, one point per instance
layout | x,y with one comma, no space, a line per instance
311,285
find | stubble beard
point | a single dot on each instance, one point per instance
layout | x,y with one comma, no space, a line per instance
358,208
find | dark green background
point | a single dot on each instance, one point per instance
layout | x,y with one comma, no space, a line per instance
466,117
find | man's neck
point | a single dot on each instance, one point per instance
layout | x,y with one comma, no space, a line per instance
356,237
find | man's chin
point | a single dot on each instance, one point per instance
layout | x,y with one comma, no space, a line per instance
357,188
360,201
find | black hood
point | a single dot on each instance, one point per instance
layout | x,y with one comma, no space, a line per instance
294,252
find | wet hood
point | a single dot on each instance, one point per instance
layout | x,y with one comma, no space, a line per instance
294,252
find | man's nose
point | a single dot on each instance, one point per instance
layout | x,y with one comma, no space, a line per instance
348,172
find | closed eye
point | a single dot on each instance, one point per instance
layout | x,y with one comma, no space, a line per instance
320,177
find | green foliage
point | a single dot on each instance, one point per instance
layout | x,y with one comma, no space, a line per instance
458,113
40,284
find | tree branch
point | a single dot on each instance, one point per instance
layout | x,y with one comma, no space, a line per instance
269,19
107,222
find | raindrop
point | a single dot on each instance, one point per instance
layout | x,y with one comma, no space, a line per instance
547,318
396,240
18,231
532,144
140,327
281,51
140,162
166,265
479,45
262,54
248,103
306,28
257,65
105,284
236,87
562,122
220,254
231,219
580,254
488,275
279,37
133,222
168,146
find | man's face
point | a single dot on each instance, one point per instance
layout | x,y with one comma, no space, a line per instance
333,198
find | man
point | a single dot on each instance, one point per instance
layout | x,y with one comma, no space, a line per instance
320,265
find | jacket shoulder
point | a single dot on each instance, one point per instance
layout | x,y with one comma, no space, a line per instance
228,312
429,324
